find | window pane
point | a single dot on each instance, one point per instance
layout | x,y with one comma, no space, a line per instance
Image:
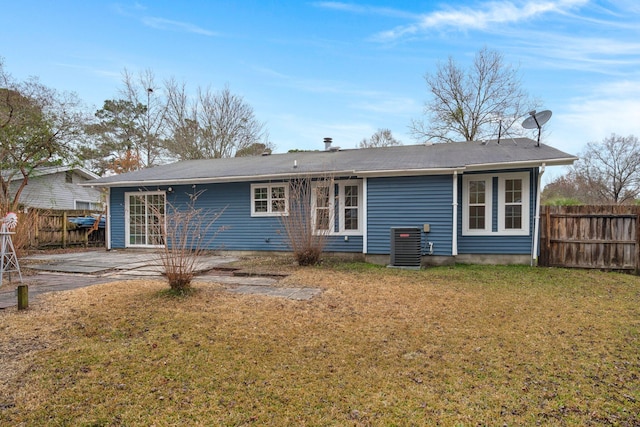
476,217
351,195
322,219
277,192
513,217
277,205
513,191
260,193
351,219
261,206
322,197
476,192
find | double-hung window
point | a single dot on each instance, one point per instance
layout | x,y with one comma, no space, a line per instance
477,207
269,199
350,205
322,207
513,204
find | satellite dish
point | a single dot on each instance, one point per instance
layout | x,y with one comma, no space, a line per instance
536,120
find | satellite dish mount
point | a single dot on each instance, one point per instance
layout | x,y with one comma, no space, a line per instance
536,120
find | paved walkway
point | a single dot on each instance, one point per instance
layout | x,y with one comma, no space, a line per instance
60,272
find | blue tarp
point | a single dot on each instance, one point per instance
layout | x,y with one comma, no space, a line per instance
87,221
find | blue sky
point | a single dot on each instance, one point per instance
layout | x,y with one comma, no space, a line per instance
340,69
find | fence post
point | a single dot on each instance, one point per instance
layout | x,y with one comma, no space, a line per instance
637,239
64,229
23,296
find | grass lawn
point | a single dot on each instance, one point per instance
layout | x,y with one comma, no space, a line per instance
451,346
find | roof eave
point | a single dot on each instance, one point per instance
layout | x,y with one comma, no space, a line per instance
565,161
409,172
214,180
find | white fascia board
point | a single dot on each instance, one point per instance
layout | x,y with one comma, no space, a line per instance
408,172
522,164
213,180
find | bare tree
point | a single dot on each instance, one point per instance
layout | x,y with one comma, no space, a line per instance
142,90
570,189
255,149
38,127
382,138
611,169
472,104
212,125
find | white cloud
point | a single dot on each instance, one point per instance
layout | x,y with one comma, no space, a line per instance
485,16
167,24
610,108
364,9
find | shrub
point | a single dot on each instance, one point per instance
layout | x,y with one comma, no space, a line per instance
306,231
187,232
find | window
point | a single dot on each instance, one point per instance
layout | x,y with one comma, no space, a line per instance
485,213
513,204
269,199
346,205
68,177
349,220
322,207
87,206
145,219
476,210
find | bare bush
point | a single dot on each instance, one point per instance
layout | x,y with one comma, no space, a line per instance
309,220
187,232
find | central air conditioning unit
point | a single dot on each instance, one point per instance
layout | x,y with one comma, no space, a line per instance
406,247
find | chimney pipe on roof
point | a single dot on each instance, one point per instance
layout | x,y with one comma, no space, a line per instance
327,144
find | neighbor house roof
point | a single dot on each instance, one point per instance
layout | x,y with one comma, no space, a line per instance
384,161
49,170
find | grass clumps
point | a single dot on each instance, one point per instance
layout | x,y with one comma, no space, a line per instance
460,345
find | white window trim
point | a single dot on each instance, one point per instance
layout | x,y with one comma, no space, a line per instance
488,198
127,217
526,197
269,212
341,204
340,199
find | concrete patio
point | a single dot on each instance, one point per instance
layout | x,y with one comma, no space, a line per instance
66,271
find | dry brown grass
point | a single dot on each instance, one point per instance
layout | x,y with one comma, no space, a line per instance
445,346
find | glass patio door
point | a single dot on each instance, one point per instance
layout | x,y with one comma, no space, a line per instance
145,219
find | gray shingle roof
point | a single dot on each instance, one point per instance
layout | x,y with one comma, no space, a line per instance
389,161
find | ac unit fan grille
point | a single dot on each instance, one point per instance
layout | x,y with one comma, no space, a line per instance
406,247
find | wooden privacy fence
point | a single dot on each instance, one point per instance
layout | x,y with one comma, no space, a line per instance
51,228
600,237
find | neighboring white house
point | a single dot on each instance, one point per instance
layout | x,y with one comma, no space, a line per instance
57,188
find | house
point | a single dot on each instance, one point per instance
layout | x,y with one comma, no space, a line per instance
463,202
58,188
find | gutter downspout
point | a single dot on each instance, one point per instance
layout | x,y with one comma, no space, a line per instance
365,225
536,227
107,220
454,237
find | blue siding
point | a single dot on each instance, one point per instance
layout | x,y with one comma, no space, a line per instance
236,229
391,202
116,206
498,244
410,202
